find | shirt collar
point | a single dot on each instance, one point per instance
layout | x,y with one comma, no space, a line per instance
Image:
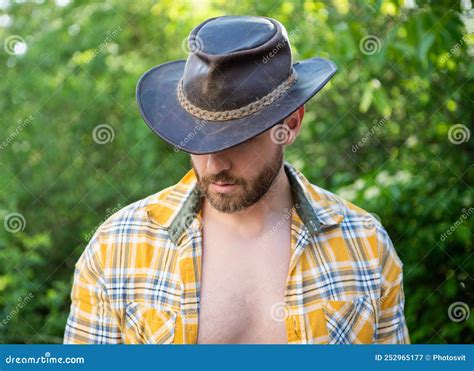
176,207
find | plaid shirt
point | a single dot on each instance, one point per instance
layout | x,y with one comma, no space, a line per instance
138,279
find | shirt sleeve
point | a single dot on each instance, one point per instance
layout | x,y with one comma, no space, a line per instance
391,327
91,320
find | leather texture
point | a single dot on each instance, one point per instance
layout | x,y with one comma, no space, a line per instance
233,61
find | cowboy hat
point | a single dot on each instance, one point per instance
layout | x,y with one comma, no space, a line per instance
239,80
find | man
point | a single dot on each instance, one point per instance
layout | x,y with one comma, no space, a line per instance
244,249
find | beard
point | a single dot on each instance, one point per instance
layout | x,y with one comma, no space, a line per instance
248,192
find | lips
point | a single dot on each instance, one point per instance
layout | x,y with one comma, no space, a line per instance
222,184
222,187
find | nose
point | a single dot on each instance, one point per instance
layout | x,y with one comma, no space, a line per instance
216,163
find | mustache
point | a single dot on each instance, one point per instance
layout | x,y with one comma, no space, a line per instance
222,177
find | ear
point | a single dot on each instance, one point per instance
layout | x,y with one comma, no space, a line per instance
293,124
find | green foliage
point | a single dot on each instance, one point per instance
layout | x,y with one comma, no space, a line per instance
378,135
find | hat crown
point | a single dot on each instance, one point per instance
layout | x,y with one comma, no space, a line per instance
230,34
234,61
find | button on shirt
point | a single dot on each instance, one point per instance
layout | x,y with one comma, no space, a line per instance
138,279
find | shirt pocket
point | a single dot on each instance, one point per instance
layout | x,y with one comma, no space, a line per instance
144,324
350,321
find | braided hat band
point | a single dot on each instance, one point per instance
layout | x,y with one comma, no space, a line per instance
238,112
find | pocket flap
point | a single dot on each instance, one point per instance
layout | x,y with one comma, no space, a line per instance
144,324
350,321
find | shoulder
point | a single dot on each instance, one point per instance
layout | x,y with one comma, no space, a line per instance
357,223
126,226
133,216
142,225
354,215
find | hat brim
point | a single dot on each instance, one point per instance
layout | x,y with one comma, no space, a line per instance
162,112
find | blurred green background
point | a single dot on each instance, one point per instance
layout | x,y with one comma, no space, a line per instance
391,133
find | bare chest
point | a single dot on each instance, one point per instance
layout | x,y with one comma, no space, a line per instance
243,285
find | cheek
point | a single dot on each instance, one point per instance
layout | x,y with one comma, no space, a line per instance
199,162
246,155
258,146
251,157
264,148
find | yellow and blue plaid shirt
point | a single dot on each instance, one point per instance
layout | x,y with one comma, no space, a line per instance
138,280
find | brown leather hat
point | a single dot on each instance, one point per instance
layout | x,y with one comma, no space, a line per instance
238,81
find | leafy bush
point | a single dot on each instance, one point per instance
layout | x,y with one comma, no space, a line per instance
384,134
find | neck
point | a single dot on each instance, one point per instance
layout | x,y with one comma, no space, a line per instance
257,218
